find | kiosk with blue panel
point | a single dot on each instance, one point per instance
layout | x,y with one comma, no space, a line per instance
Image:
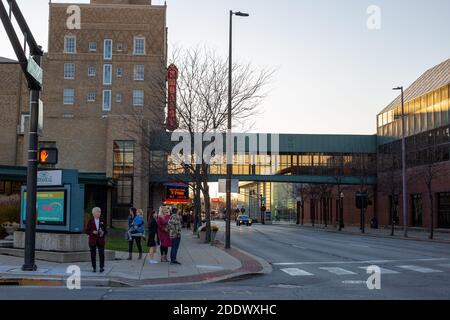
60,202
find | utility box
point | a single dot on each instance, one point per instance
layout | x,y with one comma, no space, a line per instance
59,202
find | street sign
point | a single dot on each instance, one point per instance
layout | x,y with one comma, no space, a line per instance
361,200
40,118
34,70
223,186
49,178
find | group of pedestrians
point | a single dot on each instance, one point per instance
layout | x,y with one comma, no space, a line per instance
164,230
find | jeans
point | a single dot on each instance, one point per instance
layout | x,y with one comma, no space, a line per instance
101,253
174,250
138,244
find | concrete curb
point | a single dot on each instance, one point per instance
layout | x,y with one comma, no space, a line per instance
250,266
366,234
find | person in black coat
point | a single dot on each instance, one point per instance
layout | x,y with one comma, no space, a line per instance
152,237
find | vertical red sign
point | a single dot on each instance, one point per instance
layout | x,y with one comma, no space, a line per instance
172,76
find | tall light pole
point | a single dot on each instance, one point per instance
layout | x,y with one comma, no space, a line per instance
405,193
229,137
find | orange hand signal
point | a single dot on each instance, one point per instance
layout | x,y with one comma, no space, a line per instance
43,156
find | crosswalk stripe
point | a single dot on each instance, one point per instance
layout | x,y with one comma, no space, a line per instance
383,270
296,272
444,265
419,269
337,271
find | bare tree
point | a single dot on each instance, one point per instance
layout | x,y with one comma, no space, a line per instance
202,104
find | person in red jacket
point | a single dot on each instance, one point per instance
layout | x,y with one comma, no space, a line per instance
96,230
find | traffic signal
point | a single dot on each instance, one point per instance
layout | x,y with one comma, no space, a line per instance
48,156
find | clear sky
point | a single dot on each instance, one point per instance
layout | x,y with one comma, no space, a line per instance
333,73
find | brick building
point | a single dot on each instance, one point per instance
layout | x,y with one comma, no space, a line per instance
427,127
97,96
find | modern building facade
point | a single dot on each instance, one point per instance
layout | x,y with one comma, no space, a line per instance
427,127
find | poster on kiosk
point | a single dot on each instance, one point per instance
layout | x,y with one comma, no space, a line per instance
59,202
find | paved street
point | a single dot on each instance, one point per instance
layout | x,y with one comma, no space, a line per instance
307,264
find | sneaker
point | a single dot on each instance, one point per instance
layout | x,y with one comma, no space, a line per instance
102,270
94,270
153,262
175,262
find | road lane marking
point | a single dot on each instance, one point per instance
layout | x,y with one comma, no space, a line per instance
298,247
296,272
337,271
383,270
419,269
353,262
444,265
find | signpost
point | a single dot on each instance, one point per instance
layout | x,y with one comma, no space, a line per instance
33,74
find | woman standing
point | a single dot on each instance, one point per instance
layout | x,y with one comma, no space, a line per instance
152,233
96,230
135,232
163,233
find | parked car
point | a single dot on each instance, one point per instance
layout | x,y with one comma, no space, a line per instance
243,219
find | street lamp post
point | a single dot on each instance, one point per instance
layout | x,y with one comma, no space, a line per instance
229,144
341,211
405,193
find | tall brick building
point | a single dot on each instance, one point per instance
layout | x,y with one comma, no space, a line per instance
97,97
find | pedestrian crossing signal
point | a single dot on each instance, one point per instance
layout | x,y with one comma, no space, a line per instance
48,156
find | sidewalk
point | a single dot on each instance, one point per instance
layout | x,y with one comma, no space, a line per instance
413,233
200,263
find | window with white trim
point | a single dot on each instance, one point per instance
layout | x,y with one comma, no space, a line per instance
92,46
69,96
119,46
70,44
91,97
138,98
139,46
69,70
119,98
139,72
92,72
119,72
106,100
107,74
107,49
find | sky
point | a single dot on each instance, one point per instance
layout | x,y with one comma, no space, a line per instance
333,73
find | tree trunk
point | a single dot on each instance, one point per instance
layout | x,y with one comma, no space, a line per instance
430,196
207,211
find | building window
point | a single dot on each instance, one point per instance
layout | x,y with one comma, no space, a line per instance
444,210
138,98
107,50
92,46
69,70
123,171
91,97
106,100
92,72
119,98
139,72
139,46
70,44
119,72
69,96
119,46
107,74
417,210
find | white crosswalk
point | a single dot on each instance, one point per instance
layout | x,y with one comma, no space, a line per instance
383,270
337,271
297,272
420,269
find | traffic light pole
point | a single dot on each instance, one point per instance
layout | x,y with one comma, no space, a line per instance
30,230
35,88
